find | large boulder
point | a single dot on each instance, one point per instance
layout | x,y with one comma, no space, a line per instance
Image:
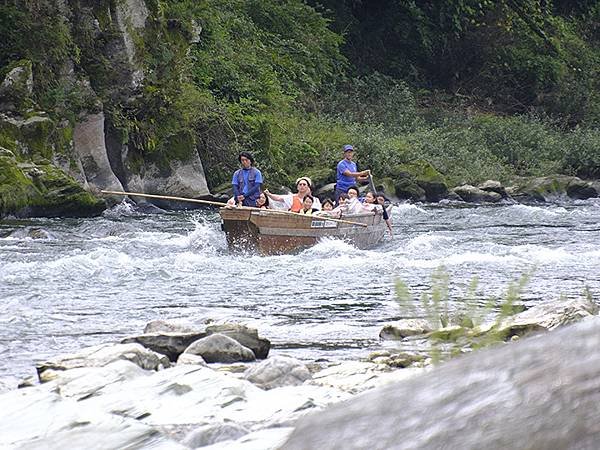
33,190
546,317
551,187
472,194
170,344
539,393
218,348
246,336
90,148
419,180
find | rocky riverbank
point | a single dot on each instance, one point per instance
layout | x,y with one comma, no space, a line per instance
220,386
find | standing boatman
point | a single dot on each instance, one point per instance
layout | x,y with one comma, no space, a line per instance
347,173
246,181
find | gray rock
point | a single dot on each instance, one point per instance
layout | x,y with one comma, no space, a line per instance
213,433
188,358
220,348
471,194
546,317
537,393
404,328
17,88
180,178
493,186
101,355
90,147
278,371
36,419
246,336
160,326
170,344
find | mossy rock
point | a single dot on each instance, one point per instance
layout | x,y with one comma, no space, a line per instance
16,88
386,185
420,181
33,135
405,188
31,190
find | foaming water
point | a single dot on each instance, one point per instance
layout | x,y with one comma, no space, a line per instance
69,283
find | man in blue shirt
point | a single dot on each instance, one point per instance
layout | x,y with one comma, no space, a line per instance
347,173
246,181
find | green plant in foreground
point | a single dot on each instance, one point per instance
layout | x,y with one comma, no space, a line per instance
460,324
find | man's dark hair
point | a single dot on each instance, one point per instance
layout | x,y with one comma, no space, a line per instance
246,155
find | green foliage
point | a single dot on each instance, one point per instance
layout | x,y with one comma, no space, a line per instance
467,322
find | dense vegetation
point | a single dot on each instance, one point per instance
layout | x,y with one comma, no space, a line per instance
478,88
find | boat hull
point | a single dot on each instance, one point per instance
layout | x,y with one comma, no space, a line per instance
270,232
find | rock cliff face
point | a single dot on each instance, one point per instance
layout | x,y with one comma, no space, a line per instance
90,146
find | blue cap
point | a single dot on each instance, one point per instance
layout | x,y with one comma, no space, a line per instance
348,148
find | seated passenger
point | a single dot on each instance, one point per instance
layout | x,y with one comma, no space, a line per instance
327,205
354,205
380,198
326,208
307,206
262,201
293,202
341,208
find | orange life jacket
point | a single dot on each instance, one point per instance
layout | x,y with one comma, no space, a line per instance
296,204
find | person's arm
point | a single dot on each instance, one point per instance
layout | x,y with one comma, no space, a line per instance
277,198
362,173
237,195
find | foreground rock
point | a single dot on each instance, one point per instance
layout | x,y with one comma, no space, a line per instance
278,371
36,419
121,405
102,355
172,339
539,393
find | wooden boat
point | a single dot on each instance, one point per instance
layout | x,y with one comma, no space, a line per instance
271,232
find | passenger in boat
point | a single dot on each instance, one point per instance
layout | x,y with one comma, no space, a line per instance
262,201
354,205
381,200
307,206
327,205
293,202
341,208
328,210
347,173
246,181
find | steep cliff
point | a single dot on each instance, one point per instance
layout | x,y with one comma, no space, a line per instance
88,110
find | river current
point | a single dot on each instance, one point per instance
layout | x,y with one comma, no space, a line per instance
70,283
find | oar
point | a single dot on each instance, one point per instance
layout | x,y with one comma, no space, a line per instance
208,202
372,184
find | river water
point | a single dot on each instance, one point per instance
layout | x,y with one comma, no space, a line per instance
69,283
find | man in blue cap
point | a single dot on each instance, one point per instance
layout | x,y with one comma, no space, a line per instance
246,181
347,173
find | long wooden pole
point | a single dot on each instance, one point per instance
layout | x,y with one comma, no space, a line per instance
166,197
208,202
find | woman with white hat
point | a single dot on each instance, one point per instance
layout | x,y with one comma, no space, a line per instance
293,202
